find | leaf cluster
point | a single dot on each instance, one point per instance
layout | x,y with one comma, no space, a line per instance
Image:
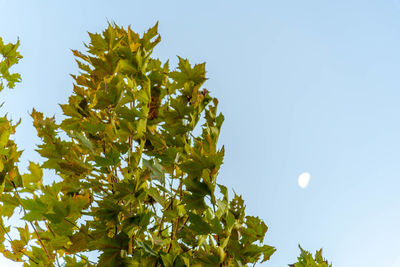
136,160
306,259
9,56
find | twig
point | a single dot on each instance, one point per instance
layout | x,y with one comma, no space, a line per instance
84,258
40,240
33,226
10,239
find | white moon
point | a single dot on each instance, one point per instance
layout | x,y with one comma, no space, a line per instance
304,179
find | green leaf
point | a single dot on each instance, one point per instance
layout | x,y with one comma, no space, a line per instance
24,234
198,225
156,170
59,242
168,259
83,141
34,204
111,158
36,173
79,242
146,248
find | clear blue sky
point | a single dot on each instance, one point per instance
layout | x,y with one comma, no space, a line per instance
304,86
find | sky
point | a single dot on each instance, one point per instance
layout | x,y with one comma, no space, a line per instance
305,86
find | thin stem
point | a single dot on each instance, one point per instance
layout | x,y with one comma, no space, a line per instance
48,226
33,226
84,258
9,239
4,230
183,225
40,241
58,263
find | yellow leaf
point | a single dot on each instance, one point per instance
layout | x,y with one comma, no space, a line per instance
134,46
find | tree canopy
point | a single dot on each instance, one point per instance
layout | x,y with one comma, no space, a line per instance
136,160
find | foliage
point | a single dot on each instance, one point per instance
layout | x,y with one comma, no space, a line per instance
8,57
136,162
136,170
306,259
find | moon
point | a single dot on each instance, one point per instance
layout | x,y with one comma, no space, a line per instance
304,179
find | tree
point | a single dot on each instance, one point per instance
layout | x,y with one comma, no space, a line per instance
136,160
